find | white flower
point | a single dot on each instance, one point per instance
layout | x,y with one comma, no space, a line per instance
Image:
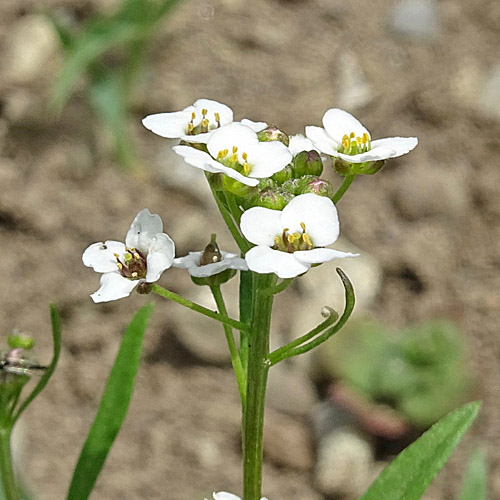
299,143
291,240
344,137
192,262
193,124
235,150
223,495
146,253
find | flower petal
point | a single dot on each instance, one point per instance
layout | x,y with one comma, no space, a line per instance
261,225
171,125
318,255
299,143
212,107
322,140
399,145
192,259
319,215
100,256
255,126
263,259
267,158
338,122
232,135
375,154
160,256
224,495
113,287
143,229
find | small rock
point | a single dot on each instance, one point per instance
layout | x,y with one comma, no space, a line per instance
345,459
488,97
425,191
290,391
354,91
30,50
416,20
25,108
287,442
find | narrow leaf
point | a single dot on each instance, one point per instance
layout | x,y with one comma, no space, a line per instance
112,410
56,338
476,478
411,472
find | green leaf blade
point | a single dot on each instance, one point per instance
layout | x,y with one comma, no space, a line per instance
411,472
112,409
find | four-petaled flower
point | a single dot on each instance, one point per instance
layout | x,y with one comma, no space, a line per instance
344,137
200,267
192,124
235,151
291,240
224,495
146,253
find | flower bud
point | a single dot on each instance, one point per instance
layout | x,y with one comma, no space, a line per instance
276,199
20,341
309,184
237,188
144,288
307,163
273,133
345,168
283,175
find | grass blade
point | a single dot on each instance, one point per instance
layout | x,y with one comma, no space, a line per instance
409,474
476,478
112,410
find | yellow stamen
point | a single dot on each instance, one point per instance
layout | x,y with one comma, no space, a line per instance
204,122
246,168
116,255
244,156
204,112
134,275
235,149
307,239
352,135
345,142
217,118
128,257
234,158
277,240
137,256
220,154
120,265
190,127
193,115
359,140
303,226
366,138
290,238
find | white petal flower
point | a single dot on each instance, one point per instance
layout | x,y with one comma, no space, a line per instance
343,136
193,124
146,253
235,151
291,240
192,262
299,143
224,495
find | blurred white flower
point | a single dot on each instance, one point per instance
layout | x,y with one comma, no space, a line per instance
235,151
291,240
146,253
223,495
193,124
344,137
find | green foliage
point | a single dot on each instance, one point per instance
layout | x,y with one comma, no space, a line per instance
419,371
476,478
112,410
122,38
409,474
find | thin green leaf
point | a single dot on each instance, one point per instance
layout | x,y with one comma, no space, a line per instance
56,338
476,478
409,474
112,410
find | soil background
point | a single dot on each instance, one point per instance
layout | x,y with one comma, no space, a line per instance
430,219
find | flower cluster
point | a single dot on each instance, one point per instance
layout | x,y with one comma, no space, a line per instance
270,187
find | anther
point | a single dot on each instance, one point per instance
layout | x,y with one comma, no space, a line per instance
235,149
246,168
217,118
204,112
303,226
134,274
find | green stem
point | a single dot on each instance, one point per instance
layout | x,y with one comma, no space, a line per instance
6,469
246,309
258,367
233,350
167,294
343,188
280,287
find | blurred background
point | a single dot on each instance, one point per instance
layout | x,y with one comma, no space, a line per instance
76,165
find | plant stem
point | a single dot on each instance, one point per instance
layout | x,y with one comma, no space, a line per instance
233,350
258,367
6,469
343,188
167,294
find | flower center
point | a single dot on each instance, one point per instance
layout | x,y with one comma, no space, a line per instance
133,266
292,242
352,145
232,160
204,125
211,254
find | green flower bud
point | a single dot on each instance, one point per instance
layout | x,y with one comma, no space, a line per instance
267,183
307,163
345,168
20,340
309,184
273,133
275,199
283,175
237,188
